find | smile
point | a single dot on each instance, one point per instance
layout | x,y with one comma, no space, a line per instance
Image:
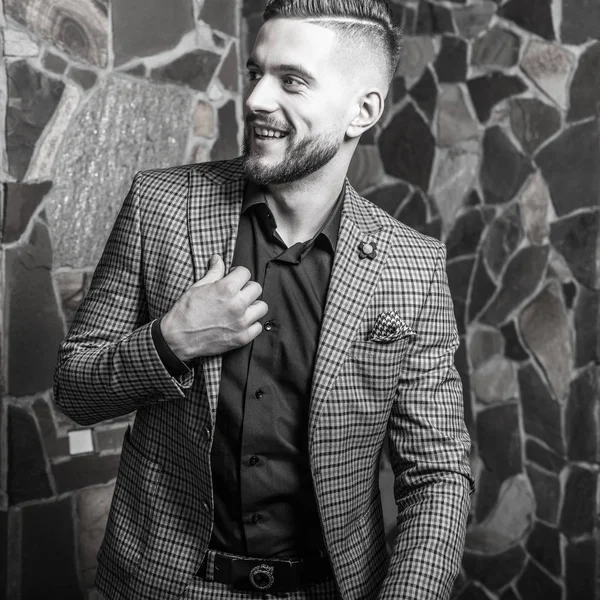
264,132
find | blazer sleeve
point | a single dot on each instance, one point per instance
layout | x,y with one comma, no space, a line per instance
108,365
429,449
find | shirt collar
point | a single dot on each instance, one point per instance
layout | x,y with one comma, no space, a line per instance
255,195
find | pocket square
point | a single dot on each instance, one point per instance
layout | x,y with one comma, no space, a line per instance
389,327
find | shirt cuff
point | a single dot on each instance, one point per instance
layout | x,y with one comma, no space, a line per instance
175,366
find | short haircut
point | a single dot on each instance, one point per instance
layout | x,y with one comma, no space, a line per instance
368,21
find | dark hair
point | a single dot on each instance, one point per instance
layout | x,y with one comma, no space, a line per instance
370,20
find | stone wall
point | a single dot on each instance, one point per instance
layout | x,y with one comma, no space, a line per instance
491,143
91,92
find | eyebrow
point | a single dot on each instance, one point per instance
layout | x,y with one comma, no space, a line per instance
297,69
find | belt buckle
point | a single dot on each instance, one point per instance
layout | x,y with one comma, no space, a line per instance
261,577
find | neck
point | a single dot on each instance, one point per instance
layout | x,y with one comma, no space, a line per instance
302,207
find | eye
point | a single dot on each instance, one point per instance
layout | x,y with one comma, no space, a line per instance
252,75
292,82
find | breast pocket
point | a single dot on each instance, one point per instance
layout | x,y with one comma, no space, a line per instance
131,511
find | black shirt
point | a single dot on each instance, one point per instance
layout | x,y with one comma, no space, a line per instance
263,495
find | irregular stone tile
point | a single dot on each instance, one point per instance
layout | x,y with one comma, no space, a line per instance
390,199
432,19
519,281
33,319
499,437
194,69
578,514
472,20
85,470
219,40
48,149
509,594
495,381
580,21
92,513
542,456
32,100
484,344
482,290
570,166
488,489
585,87
472,592
549,66
576,238
504,169
229,72
19,43
53,62
533,122
494,572
83,77
580,418
455,173
451,62
513,348
106,144
544,545
459,275
581,571
535,202
503,237
433,228
407,148
569,291
414,212
424,93
509,521
542,417
465,234
547,493
535,583
398,90
72,289
221,15
366,169
253,24
79,28
226,146
54,445
417,53
133,19
27,474
545,329
138,70
487,91
462,366
109,439
20,202
532,15
48,549
497,48
454,120
204,120
558,268
586,336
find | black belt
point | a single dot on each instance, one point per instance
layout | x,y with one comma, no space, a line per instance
272,575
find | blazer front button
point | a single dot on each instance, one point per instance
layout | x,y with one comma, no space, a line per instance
207,433
205,506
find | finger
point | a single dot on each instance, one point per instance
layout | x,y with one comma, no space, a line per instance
216,271
256,311
251,292
253,331
237,278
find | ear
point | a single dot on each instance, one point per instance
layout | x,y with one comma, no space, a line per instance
370,109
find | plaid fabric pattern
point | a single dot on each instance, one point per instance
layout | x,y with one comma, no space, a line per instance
160,520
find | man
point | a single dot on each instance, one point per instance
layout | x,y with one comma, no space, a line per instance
270,326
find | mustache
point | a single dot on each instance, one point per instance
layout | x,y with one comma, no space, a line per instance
270,121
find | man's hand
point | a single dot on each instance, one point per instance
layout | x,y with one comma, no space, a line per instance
217,314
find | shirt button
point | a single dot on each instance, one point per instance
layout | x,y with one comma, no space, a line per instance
259,394
268,325
255,518
253,460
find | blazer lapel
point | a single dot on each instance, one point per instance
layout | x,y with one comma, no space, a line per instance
353,280
214,206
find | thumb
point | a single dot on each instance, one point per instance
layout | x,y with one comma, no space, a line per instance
215,271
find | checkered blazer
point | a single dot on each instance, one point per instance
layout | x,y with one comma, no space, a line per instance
405,384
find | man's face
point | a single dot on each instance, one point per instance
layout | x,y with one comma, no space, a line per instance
297,103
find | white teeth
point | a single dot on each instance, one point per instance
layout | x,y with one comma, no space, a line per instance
268,132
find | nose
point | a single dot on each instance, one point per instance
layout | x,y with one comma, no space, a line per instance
261,96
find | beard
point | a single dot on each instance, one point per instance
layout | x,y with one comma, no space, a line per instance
300,159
